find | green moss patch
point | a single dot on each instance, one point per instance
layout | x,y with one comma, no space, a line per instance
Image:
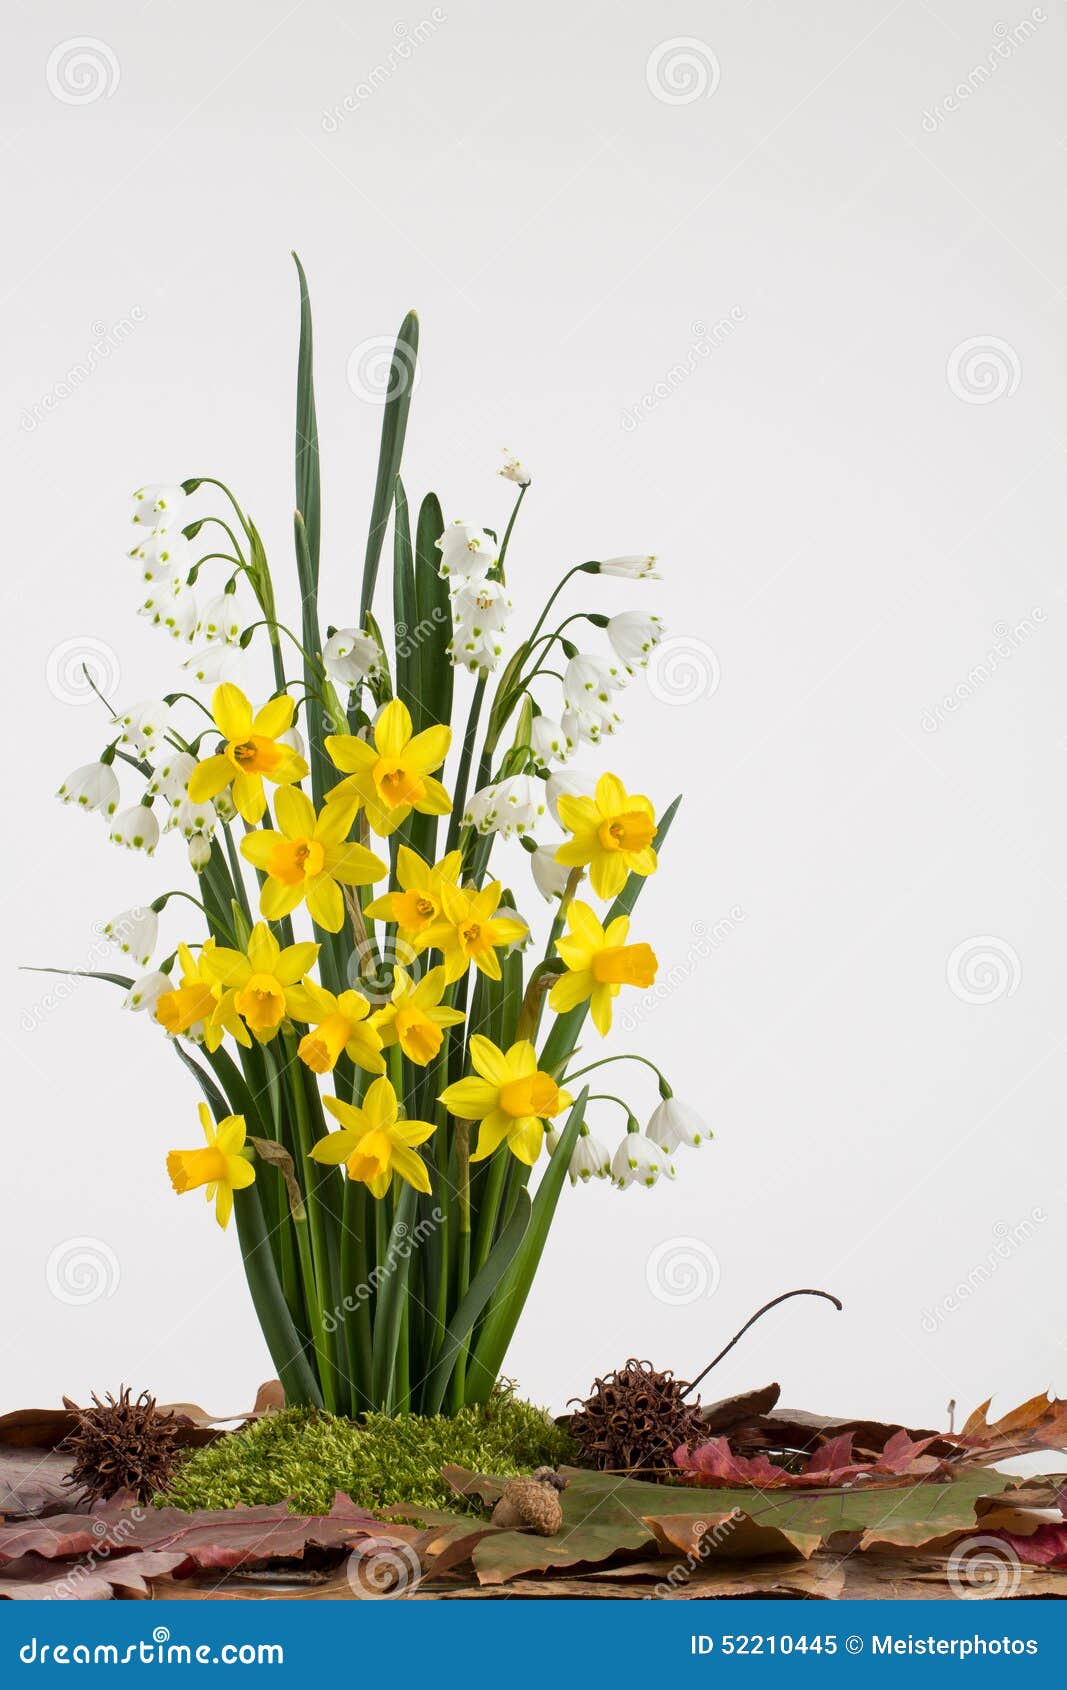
305,1456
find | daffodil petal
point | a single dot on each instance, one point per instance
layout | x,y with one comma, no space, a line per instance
275,718
232,712
294,813
326,904
208,778
392,730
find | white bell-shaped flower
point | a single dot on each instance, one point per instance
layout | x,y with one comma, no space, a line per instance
164,555
171,775
179,615
136,933
549,877
190,819
146,992
588,725
638,1161
217,663
480,606
220,619
93,786
674,1123
513,470
199,852
157,504
589,683
634,636
136,829
145,725
590,1160
630,568
577,783
511,808
351,657
549,740
478,652
466,552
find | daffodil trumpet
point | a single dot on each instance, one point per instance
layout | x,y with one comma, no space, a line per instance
381,1014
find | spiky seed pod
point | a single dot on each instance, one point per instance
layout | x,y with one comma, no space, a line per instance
121,1444
634,1420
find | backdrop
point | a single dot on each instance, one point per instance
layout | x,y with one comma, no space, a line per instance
772,290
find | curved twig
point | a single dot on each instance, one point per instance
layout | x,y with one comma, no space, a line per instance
804,1292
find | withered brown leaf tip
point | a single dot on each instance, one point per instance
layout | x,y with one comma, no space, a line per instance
532,1505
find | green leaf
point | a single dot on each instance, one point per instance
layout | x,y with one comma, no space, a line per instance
478,1294
394,428
283,1341
404,613
392,1293
605,1515
433,617
314,718
81,974
308,498
509,1300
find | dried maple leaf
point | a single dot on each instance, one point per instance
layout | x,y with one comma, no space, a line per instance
714,1463
1037,1424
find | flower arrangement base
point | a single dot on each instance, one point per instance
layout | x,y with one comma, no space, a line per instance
773,1502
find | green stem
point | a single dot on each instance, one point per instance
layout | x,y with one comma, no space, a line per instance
316,1222
459,799
355,1284
283,1340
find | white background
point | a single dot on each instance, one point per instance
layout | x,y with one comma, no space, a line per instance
852,506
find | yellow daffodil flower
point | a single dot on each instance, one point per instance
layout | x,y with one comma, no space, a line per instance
415,1016
392,777
266,981
200,1006
373,1143
220,1165
598,961
252,753
512,1099
417,905
341,1025
469,930
307,856
612,835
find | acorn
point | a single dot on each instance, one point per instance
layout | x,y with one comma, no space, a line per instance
532,1505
